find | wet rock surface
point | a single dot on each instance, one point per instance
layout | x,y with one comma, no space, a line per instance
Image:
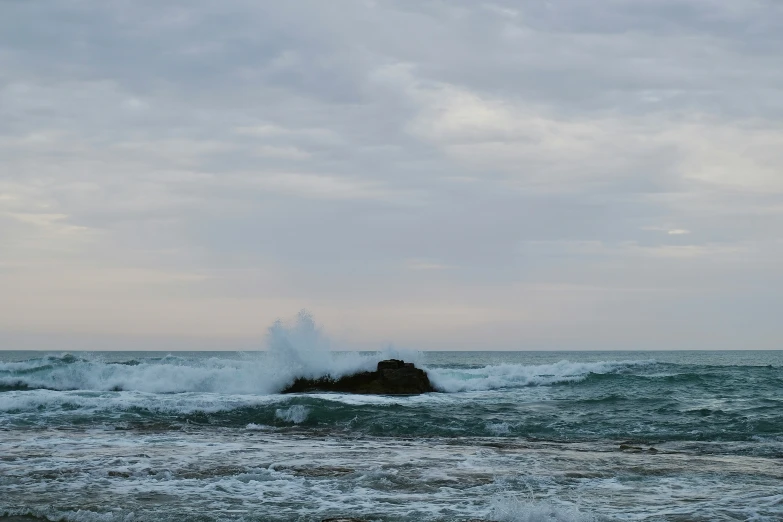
392,377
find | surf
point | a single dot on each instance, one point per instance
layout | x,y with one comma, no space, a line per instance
295,349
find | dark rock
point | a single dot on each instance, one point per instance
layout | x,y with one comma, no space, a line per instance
393,377
394,364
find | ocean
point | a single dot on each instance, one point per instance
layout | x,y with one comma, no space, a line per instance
510,436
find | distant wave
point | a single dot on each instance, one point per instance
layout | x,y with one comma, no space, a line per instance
257,375
293,350
268,373
296,350
519,375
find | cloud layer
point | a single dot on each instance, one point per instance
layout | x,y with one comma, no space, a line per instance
524,175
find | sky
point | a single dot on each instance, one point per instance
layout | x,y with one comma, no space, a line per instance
538,174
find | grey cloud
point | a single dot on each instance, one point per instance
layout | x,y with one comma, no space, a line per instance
324,154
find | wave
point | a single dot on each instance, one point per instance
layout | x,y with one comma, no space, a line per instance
299,349
435,415
296,414
519,375
172,374
268,373
295,350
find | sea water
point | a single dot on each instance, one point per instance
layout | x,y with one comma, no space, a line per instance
510,436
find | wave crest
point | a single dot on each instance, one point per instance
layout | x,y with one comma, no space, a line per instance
293,350
519,375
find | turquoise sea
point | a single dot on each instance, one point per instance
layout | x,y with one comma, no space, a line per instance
510,436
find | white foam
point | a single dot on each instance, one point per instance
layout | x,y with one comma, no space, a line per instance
296,414
510,509
280,477
48,402
519,375
498,428
296,350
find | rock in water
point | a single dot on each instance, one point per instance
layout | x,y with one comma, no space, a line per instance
393,377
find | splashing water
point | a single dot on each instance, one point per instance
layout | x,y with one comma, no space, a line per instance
510,509
302,350
298,349
296,414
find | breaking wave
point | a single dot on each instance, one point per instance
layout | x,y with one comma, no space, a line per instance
296,350
296,414
293,350
519,375
268,373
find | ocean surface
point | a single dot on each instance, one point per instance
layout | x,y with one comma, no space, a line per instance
511,436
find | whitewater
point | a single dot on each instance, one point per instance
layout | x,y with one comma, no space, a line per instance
508,436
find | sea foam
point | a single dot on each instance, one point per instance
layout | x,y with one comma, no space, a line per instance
296,349
510,509
521,375
293,350
296,414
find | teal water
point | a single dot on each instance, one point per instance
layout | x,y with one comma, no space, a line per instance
509,436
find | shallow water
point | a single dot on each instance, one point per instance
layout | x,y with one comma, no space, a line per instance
513,436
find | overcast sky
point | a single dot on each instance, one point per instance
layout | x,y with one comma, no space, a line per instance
539,174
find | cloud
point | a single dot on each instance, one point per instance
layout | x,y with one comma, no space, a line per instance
501,174
47,221
423,264
321,186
